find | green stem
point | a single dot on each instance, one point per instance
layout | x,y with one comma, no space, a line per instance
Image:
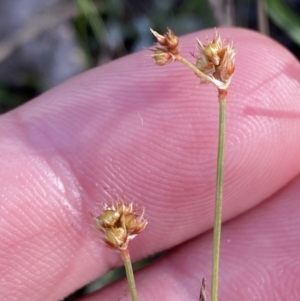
222,95
129,274
219,196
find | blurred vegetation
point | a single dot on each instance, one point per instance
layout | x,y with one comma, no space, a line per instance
108,29
285,18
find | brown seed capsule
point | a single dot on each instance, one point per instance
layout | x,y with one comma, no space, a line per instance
134,224
108,218
116,238
162,56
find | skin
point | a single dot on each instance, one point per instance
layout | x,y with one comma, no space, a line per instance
150,133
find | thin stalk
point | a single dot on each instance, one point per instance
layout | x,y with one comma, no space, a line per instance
129,274
200,74
193,67
219,196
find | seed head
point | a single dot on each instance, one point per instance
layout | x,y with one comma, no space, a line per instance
217,60
168,41
119,223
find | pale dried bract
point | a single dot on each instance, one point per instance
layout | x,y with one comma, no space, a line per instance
162,56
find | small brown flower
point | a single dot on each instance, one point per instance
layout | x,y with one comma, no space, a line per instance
227,65
168,41
120,223
116,238
217,60
107,219
162,56
134,223
212,51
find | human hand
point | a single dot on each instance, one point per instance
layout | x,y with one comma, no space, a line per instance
151,134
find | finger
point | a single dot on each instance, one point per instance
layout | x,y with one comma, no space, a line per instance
259,259
150,133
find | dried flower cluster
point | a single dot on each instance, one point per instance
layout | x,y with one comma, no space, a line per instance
215,61
120,223
168,50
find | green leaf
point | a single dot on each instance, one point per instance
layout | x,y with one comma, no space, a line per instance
284,17
90,11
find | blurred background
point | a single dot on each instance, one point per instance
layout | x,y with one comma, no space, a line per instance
44,42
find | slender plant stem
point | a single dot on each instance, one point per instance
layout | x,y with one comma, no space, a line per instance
129,274
219,196
222,96
193,67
